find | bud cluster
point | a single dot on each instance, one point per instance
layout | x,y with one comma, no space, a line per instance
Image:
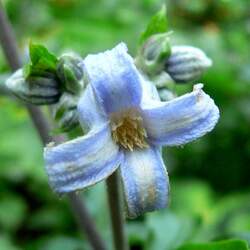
71,73
166,65
49,80
152,55
65,112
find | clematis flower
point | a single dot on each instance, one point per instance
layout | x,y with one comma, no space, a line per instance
126,126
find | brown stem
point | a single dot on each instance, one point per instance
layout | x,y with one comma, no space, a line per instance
42,126
116,212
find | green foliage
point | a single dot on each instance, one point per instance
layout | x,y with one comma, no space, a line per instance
168,231
225,245
6,243
209,178
12,211
63,242
41,60
158,24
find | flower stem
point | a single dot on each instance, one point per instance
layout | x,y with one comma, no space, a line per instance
116,212
42,126
85,222
3,89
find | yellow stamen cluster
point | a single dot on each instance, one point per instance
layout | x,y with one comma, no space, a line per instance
127,131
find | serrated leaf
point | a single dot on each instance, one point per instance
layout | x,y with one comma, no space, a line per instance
157,24
232,244
41,61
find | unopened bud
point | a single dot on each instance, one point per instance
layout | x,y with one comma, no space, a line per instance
166,95
71,73
162,80
37,90
154,53
65,112
186,63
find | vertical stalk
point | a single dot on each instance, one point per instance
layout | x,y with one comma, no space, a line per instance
116,212
85,222
42,126
3,89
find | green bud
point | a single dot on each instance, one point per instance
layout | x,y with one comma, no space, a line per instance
38,90
154,53
166,95
71,73
65,112
163,80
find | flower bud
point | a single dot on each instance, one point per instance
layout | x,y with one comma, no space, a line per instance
154,53
186,63
166,95
65,112
71,73
162,80
37,90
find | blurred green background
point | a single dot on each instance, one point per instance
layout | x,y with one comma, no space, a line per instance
210,178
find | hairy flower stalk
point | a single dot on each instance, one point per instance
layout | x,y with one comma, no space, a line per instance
126,126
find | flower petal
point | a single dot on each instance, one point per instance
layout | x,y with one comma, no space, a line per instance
114,78
149,91
89,112
180,120
145,181
82,162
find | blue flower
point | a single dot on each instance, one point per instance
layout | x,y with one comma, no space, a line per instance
126,126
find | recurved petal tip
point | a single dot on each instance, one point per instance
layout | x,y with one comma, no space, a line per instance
182,119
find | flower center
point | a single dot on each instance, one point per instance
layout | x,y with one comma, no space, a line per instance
128,131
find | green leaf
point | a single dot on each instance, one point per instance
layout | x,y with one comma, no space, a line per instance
138,233
6,243
64,242
168,230
42,61
197,197
48,217
12,211
232,244
157,24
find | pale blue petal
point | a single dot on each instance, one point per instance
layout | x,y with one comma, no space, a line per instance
115,79
149,91
82,162
145,181
89,113
180,120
